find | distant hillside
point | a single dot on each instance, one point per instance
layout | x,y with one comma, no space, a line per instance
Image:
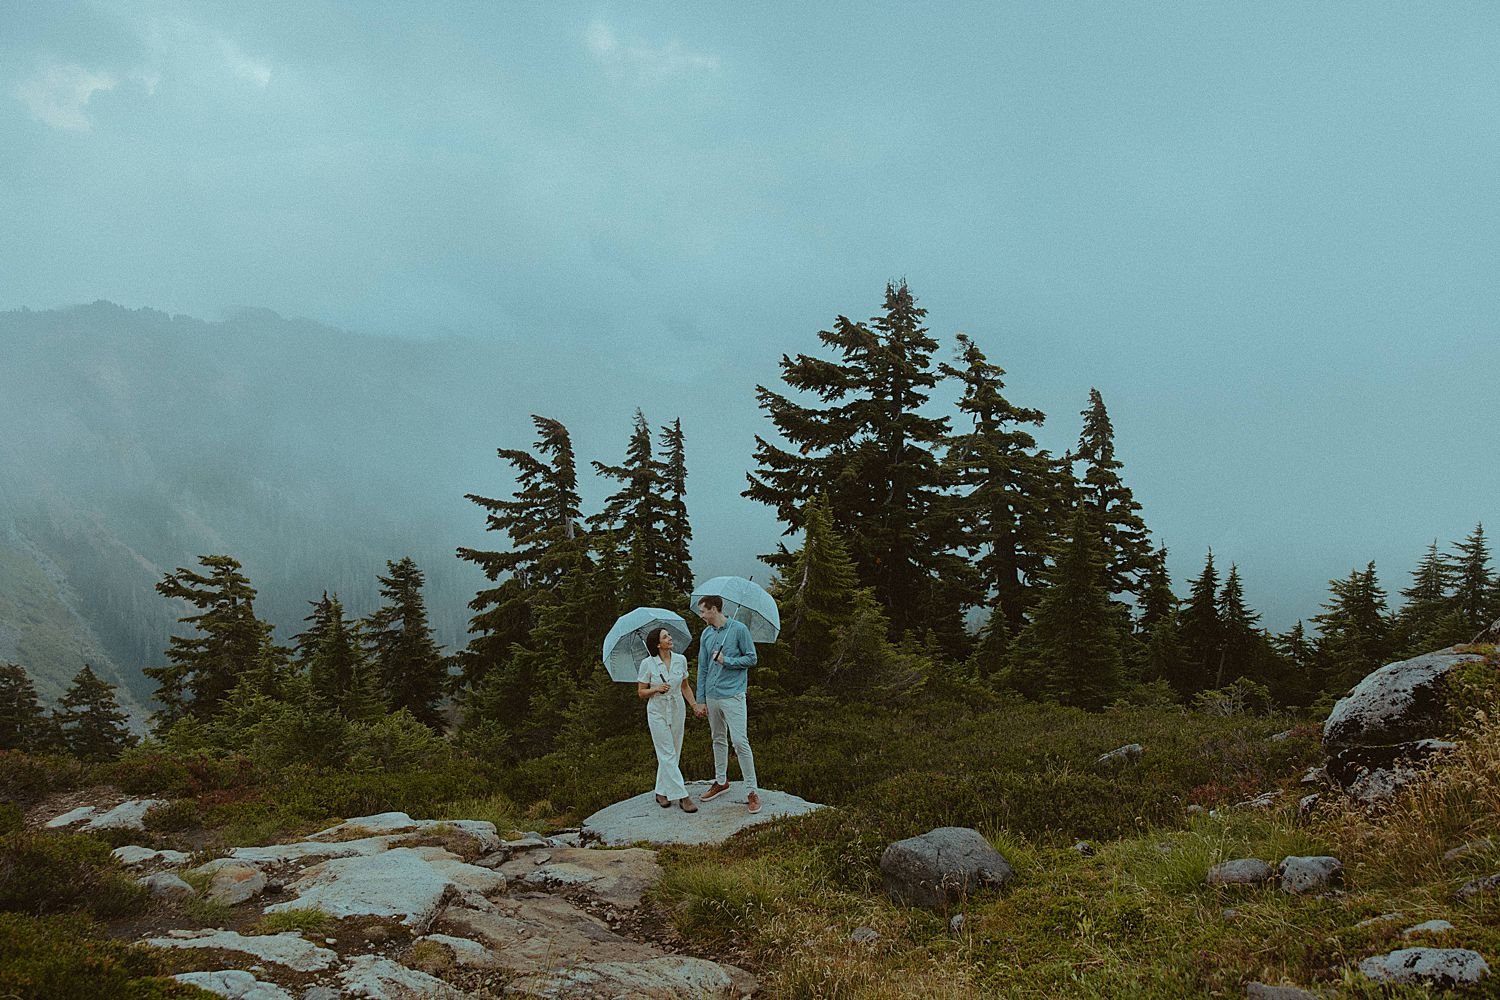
137,441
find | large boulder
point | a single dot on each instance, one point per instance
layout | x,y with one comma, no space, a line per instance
941,867
1440,967
1399,703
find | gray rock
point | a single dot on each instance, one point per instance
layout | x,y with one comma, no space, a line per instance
1229,913
133,856
1374,788
1242,871
235,984
165,885
639,818
287,949
958,924
1084,848
232,882
1130,753
382,979
1265,800
1314,776
1307,804
941,867
1428,927
1196,810
666,976
1479,886
404,882
1280,737
1310,874
1397,703
1480,846
320,993
617,878
1384,918
1260,991
864,935
1347,765
1441,967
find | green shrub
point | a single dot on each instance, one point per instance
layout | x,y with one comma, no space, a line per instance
311,922
179,814
25,777
147,769
11,818
54,873
65,958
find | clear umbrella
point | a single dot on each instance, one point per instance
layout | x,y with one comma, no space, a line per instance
745,601
625,645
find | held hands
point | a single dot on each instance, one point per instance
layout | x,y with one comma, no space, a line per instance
700,710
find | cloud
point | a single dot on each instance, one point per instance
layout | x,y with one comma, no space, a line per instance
59,95
243,66
647,62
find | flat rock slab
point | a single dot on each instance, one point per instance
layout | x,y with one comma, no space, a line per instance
382,979
403,882
671,976
132,856
619,878
289,949
1241,871
389,823
1442,967
234,984
534,932
640,819
128,815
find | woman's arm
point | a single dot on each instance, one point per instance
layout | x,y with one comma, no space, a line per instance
687,692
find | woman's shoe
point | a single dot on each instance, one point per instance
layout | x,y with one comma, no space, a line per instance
687,805
663,801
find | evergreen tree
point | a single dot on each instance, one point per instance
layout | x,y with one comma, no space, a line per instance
834,638
1353,629
1071,649
871,452
547,546
22,724
411,667
332,654
90,721
1301,682
1154,656
1125,545
231,644
1473,582
1010,491
677,532
1430,617
1158,604
1240,642
1199,632
630,530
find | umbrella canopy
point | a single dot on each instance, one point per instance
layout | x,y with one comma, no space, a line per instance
746,601
625,645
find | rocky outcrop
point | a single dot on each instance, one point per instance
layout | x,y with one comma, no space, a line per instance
1438,967
640,820
942,867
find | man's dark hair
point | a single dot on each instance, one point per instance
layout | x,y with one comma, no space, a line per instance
711,601
653,640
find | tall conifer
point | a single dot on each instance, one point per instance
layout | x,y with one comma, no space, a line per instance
231,644
1239,640
1473,581
22,724
875,456
677,532
1010,491
1353,629
89,719
1199,632
1071,649
630,529
411,667
1125,544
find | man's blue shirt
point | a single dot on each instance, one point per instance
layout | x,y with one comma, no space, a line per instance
727,679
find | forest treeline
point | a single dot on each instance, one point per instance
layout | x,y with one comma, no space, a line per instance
910,527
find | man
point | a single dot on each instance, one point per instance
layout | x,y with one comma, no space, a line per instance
725,652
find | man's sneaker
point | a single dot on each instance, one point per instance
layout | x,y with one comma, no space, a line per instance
714,791
753,802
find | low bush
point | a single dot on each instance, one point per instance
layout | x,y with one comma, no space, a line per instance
66,958
56,873
25,777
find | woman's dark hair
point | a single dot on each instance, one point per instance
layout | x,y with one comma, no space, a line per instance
653,640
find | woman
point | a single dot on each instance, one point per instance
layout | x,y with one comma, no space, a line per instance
663,685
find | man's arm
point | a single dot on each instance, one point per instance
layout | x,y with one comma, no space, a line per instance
702,676
746,656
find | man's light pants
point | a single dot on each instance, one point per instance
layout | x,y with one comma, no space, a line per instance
665,714
726,721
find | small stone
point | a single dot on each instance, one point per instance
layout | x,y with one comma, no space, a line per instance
1265,800
864,935
1084,848
1428,927
1479,886
1164,846
1242,871
1229,913
1308,874
541,859
1130,753
1307,804
1465,850
1260,991
1384,918
1441,967
1280,737
1196,810
320,993
958,924
165,885
1314,776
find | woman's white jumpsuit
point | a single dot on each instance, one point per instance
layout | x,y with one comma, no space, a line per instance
665,714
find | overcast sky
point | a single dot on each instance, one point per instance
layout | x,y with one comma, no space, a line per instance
1267,232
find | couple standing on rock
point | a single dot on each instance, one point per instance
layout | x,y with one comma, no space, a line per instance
725,653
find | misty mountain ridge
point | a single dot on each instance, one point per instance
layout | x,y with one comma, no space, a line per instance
139,441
